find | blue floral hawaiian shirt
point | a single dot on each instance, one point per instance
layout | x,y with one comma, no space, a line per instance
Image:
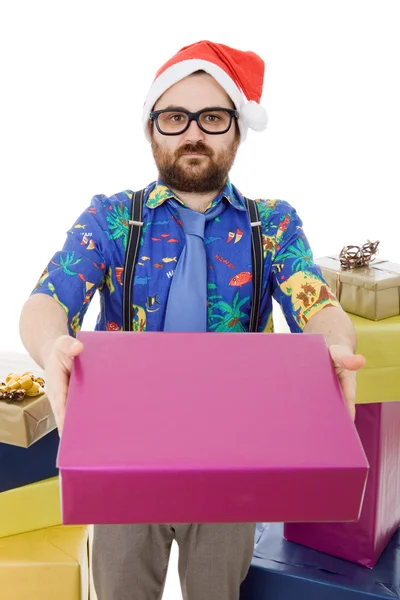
93,256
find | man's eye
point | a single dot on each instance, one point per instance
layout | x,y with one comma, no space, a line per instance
212,118
177,118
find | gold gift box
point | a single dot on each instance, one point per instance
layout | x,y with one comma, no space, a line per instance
30,507
49,564
379,342
24,422
371,292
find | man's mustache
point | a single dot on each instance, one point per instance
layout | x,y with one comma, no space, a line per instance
198,148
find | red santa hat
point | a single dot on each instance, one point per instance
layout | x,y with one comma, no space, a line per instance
239,73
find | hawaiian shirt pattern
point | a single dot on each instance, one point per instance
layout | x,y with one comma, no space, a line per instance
93,257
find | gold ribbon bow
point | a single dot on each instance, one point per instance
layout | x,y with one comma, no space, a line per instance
16,387
353,257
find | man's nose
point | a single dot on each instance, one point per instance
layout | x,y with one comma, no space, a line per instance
194,133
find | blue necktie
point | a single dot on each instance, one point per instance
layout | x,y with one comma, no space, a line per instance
187,300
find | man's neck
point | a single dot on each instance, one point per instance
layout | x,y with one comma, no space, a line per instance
197,202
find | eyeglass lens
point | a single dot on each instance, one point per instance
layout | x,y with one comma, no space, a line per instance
213,121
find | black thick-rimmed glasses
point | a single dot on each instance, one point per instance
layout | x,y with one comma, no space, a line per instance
213,121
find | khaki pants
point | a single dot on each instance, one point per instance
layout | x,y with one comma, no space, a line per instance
130,561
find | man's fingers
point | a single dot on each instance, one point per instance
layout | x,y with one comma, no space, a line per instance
58,370
69,346
346,365
60,424
349,388
353,363
341,360
57,399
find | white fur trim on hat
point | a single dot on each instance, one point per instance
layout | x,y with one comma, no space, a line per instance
182,69
254,115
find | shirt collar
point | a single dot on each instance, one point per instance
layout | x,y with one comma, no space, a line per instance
158,193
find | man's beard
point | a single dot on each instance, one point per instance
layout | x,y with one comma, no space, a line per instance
198,175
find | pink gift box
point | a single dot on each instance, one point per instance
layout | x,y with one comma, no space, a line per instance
364,541
195,427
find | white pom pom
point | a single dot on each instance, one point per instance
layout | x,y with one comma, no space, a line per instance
254,115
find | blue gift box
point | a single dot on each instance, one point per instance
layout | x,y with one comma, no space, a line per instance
21,466
282,570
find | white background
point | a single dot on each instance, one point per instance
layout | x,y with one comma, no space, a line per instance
74,77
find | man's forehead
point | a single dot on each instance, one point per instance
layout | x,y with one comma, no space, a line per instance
198,89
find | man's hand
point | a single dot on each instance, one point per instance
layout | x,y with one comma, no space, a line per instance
57,370
346,366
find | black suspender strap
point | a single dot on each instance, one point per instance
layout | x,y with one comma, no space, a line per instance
257,255
132,248
135,228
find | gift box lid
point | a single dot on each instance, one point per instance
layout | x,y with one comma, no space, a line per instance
387,265
286,567
45,564
379,275
219,416
25,422
22,423
60,544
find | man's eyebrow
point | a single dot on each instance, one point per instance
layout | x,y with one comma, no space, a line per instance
174,107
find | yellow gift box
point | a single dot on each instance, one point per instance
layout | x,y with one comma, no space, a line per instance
30,507
49,564
379,342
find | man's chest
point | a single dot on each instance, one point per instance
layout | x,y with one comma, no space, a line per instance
227,245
